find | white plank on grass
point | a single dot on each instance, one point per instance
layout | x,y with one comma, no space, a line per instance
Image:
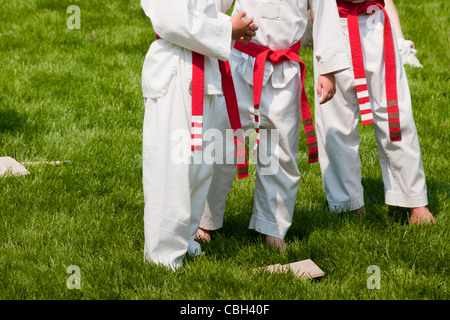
10,167
303,269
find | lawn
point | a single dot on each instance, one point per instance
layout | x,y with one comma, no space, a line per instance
75,95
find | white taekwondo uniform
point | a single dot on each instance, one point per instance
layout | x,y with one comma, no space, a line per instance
281,25
338,134
175,188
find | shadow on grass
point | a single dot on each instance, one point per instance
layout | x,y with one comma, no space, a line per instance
235,236
379,215
11,120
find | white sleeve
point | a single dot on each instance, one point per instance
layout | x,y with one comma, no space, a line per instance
192,24
330,47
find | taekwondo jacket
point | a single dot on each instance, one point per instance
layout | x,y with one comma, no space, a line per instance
185,26
281,24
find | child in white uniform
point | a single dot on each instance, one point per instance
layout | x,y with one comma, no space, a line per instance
281,25
377,88
191,35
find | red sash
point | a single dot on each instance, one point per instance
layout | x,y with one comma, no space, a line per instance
351,11
263,54
198,83
235,120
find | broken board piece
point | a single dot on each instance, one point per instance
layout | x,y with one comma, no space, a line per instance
53,163
303,269
10,167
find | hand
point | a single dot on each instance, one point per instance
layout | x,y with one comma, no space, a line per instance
251,32
326,87
240,26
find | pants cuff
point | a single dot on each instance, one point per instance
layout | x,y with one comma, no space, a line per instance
399,199
349,205
169,264
211,224
268,228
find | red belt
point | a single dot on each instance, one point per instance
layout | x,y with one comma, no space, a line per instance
198,82
351,11
262,54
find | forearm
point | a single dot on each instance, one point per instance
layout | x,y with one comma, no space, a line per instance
393,15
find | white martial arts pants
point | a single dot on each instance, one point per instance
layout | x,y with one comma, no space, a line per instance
338,135
277,177
175,185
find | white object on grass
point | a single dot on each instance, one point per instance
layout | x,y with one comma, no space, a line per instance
306,269
53,163
10,167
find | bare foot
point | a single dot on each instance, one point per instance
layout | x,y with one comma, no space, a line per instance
276,242
421,215
361,212
203,235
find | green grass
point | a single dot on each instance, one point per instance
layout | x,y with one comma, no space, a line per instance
75,95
